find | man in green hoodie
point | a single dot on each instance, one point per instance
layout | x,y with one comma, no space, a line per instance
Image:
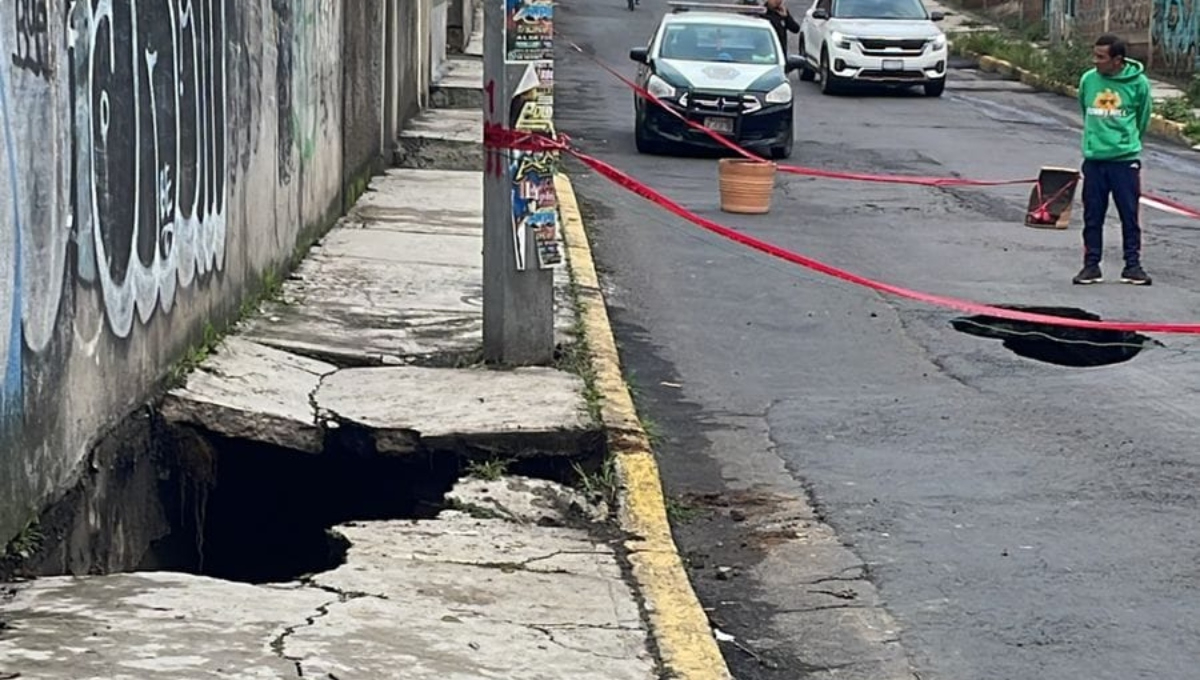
1115,100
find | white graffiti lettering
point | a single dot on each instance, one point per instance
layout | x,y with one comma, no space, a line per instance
151,148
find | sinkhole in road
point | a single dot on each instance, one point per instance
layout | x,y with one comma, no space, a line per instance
1058,345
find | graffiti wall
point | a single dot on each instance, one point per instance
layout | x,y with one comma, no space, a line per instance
1175,31
157,157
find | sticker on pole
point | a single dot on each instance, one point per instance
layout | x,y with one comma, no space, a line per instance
534,200
528,31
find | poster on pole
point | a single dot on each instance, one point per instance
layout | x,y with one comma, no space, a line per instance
534,201
528,31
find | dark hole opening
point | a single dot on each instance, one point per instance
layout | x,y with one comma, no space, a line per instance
1059,345
264,513
254,513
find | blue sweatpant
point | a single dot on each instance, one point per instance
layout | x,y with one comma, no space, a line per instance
1123,180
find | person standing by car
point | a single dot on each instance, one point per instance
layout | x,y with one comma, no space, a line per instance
1115,100
781,20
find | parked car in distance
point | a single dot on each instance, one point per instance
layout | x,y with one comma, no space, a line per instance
892,42
716,66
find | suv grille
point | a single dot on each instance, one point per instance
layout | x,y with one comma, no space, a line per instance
892,46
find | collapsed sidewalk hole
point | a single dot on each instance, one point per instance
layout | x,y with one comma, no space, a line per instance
254,513
264,516
1052,344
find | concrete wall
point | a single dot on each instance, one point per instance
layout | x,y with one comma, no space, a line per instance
159,157
460,24
439,18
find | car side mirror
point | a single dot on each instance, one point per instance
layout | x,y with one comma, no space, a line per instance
640,54
821,14
936,16
795,62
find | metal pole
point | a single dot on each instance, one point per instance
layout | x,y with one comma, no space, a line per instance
518,291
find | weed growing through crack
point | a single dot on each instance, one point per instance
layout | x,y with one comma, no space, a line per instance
681,512
26,543
488,470
193,356
270,288
601,484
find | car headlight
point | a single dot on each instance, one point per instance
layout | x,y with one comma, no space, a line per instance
939,42
780,95
839,40
660,88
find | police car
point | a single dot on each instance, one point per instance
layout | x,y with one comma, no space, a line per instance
719,65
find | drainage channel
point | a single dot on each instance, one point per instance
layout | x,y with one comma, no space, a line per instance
1058,345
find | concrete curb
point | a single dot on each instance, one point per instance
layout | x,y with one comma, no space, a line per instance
678,624
1166,130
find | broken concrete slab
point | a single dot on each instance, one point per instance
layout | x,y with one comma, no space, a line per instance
524,500
461,85
250,391
258,394
454,598
513,412
442,139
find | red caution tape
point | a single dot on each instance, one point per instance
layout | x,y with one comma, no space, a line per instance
497,137
633,185
1153,200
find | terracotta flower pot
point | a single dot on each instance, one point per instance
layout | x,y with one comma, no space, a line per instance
746,185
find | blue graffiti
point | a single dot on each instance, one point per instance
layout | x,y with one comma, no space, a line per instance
1175,35
10,387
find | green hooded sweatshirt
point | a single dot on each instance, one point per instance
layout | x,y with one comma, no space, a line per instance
1116,112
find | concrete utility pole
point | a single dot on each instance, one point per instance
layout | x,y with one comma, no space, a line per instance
1057,17
520,213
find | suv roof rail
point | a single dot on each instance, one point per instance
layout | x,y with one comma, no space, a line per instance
743,8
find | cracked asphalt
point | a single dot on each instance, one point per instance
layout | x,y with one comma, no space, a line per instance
859,490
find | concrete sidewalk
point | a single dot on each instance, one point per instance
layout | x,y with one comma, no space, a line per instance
371,352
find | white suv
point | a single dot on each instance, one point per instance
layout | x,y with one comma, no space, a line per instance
891,42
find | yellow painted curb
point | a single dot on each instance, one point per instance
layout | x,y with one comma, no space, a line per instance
678,623
1159,126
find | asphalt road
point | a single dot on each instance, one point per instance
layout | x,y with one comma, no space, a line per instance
862,491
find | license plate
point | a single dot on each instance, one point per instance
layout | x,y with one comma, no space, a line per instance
893,64
724,125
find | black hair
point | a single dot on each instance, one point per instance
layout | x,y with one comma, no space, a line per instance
1116,46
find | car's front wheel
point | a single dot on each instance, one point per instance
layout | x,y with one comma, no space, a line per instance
783,150
935,88
830,84
642,139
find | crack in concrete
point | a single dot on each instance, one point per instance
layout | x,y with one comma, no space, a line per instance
844,594
826,607
312,397
279,644
524,565
553,640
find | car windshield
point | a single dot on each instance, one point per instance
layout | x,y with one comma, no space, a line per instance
716,42
879,9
